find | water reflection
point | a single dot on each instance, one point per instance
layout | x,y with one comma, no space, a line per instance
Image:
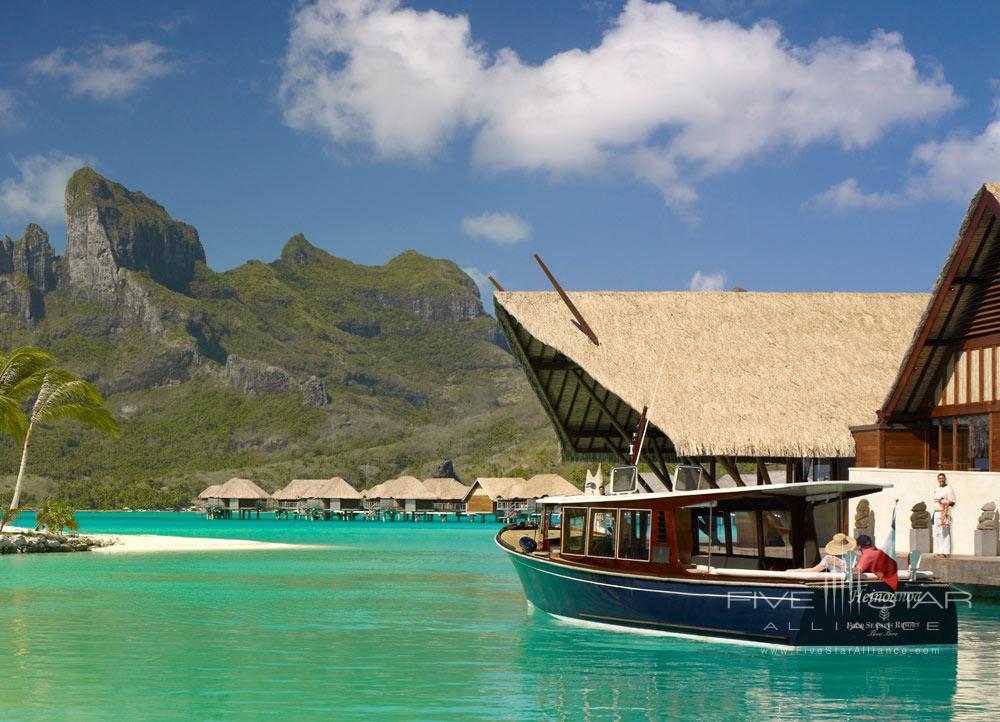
578,673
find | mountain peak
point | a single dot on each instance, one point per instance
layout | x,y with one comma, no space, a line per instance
109,227
298,251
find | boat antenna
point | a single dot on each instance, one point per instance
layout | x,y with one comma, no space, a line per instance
644,419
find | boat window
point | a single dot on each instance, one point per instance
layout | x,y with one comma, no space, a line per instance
777,534
573,521
602,533
743,527
633,534
718,545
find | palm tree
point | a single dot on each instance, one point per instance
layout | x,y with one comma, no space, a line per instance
63,395
20,375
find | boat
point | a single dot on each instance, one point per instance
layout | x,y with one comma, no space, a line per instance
717,564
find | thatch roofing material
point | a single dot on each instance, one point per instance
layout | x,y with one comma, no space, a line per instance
508,488
211,492
744,374
548,485
496,487
405,487
241,489
335,488
446,488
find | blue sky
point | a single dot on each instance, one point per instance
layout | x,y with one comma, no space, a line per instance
773,146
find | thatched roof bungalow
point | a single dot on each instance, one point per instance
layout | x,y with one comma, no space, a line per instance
242,494
449,494
332,494
405,492
497,494
778,377
210,492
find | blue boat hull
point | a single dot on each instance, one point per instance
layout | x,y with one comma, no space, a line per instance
868,614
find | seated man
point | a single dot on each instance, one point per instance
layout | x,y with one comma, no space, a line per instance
876,561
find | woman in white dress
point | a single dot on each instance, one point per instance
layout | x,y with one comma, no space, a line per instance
944,499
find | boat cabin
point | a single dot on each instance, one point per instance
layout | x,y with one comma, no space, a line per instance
769,528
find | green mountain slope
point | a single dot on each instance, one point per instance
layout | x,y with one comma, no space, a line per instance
307,366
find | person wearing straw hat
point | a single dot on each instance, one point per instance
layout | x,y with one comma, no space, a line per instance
833,560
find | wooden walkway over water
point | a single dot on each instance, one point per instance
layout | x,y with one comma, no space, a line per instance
362,515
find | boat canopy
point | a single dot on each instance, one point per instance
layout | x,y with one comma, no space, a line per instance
810,490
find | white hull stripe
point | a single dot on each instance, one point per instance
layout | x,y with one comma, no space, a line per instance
664,591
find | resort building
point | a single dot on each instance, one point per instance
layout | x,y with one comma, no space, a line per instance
868,386
448,494
332,494
941,411
406,493
211,495
507,495
241,494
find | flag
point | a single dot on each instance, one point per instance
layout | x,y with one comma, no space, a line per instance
889,547
885,567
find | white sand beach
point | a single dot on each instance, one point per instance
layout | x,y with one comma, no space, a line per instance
140,543
136,543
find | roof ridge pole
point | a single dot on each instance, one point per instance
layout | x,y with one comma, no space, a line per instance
581,322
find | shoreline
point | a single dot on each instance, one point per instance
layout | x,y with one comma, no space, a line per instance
150,543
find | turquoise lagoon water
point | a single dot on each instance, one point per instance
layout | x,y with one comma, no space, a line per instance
402,621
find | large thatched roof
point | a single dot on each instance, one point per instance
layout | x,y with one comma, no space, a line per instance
962,305
445,488
335,488
241,489
405,487
744,374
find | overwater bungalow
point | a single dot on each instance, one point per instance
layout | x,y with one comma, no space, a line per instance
448,494
332,494
211,495
241,495
406,493
507,495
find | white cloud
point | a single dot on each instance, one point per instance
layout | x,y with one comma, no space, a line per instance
847,195
107,71
37,194
707,281
486,288
667,96
7,105
505,229
951,169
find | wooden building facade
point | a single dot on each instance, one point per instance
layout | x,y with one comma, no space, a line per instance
943,410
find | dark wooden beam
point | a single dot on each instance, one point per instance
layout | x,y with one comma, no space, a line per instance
730,468
496,283
554,365
592,393
763,475
581,322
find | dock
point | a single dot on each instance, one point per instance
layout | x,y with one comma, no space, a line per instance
979,575
377,515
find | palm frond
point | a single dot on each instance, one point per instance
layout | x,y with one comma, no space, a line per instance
63,395
20,364
97,417
12,420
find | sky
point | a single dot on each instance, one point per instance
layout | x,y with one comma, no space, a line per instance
774,146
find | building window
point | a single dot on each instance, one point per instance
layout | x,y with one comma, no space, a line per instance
602,533
573,522
633,535
963,442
